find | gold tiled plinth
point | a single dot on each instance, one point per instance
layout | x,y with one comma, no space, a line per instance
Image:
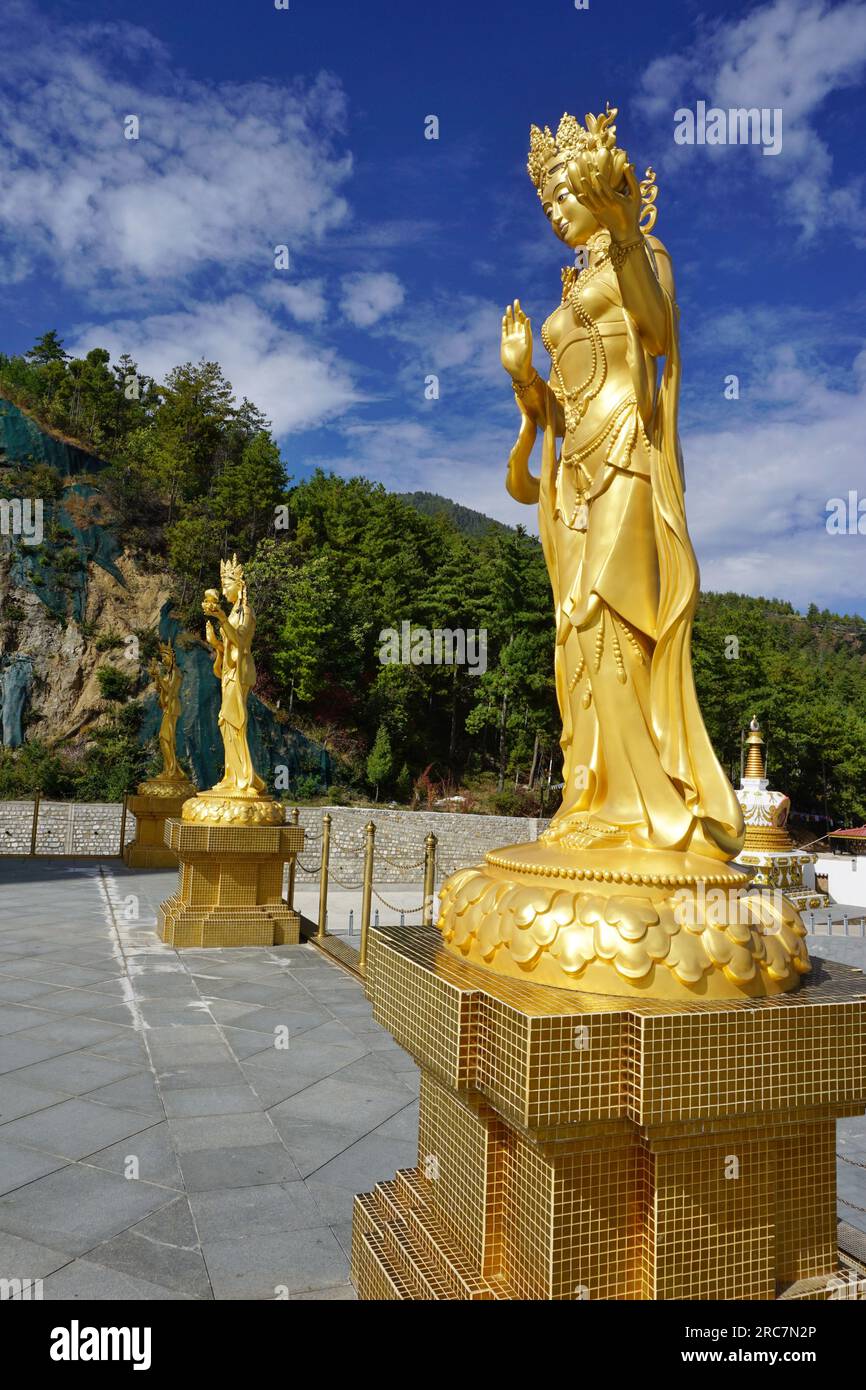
149,850
230,888
587,1146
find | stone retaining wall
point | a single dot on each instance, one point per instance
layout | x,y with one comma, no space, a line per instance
93,828
64,827
400,835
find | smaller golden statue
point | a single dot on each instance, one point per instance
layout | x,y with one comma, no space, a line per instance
239,796
167,678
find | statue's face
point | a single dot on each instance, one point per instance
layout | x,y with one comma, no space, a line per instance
571,221
231,590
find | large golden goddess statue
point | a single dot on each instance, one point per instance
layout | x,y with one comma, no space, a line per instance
648,821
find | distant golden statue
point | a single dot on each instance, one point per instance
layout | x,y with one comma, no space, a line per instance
167,677
239,796
645,801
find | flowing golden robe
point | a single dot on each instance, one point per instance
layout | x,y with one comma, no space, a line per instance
638,763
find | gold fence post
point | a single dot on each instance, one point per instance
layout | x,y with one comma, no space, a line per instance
123,824
367,895
429,879
296,814
34,829
323,878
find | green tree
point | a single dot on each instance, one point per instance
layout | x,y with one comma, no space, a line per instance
48,348
311,641
194,546
380,763
247,492
192,427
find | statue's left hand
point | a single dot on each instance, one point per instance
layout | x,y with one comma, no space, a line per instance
616,209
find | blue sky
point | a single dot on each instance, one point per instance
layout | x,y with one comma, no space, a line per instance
305,127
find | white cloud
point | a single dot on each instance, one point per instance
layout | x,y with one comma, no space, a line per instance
758,491
305,300
369,296
791,54
221,173
454,333
295,383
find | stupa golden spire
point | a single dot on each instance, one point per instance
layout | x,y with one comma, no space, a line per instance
755,761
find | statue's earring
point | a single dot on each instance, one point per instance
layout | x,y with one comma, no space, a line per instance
648,192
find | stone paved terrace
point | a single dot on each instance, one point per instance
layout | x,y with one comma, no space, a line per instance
115,1050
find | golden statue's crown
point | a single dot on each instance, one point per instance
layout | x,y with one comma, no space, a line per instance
597,142
571,138
166,653
232,569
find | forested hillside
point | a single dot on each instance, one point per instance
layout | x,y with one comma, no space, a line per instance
192,475
466,519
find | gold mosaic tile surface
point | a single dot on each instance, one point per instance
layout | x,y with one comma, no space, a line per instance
574,1146
548,1057
230,886
191,838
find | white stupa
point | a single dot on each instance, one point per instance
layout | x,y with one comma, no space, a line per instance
768,848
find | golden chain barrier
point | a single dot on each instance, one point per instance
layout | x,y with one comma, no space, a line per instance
366,885
397,864
393,908
350,887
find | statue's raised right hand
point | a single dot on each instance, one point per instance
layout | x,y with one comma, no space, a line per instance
516,347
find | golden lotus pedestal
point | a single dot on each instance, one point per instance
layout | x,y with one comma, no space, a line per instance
151,810
230,888
589,1146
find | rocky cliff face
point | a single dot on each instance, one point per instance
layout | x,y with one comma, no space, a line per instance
63,696
77,600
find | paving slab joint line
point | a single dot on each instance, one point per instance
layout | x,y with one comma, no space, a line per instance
360,1139
106,885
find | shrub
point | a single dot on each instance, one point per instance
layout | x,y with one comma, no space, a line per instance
33,768
509,802
114,684
308,786
148,642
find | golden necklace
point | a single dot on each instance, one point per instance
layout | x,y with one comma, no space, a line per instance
576,401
